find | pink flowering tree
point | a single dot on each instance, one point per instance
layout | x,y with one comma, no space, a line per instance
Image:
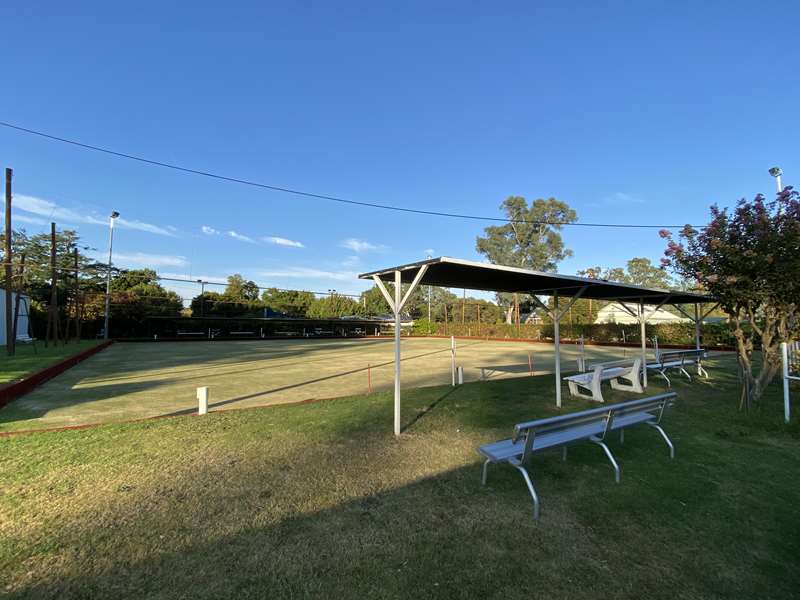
748,258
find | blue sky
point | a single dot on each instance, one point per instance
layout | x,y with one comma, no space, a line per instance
634,112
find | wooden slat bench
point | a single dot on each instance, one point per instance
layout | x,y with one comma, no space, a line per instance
616,372
591,425
679,360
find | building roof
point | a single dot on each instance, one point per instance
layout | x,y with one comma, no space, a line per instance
459,273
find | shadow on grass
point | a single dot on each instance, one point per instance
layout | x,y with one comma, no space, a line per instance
48,399
322,501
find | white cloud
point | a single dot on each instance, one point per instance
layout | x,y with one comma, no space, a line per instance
140,225
351,261
149,260
209,230
357,245
240,237
622,198
54,212
303,272
30,220
283,242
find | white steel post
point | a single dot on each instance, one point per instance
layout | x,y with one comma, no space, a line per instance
557,342
644,343
785,360
697,325
202,400
453,359
397,307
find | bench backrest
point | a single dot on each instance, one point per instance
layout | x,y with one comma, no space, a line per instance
654,405
529,430
670,355
605,414
634,363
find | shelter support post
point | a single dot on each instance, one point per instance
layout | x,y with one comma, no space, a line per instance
643,329
556,313
697,325
697,319
557,344
397,301
641,316
396,305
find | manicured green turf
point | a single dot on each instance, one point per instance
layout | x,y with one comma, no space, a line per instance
140,380
321,501
26,360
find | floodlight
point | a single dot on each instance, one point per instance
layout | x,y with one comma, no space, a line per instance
776,171
115,215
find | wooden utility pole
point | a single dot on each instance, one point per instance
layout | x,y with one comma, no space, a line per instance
52,310
7,259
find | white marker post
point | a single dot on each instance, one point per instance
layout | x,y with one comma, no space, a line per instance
202,400
453,359
460,375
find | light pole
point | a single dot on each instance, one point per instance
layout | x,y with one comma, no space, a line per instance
114,216
776,172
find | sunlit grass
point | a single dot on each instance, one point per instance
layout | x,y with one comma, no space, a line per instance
321,500
28,359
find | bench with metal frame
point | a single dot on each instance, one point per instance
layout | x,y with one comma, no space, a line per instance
591,425
616,372
679,360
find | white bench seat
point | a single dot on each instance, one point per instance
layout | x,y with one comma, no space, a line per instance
623,375
591,425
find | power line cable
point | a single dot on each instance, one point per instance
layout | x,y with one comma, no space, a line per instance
286,190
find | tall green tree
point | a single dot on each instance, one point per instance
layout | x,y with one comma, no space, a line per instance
334,306
530,240
289,302
137,294
241,289
748,258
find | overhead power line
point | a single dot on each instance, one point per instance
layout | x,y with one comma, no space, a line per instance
286,190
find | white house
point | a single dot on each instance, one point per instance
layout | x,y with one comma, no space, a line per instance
22,321
614,313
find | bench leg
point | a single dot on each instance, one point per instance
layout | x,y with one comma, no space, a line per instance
564,453
485,471
529,483
702,371
685,372
664,375
610,456
666,439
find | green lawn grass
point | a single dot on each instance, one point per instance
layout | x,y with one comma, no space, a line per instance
27,360
321,500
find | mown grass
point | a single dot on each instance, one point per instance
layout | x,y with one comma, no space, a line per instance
27,359
320,500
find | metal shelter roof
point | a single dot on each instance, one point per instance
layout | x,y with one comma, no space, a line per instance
459,273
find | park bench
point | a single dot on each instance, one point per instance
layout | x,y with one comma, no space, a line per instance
678,359
591,425
614,371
